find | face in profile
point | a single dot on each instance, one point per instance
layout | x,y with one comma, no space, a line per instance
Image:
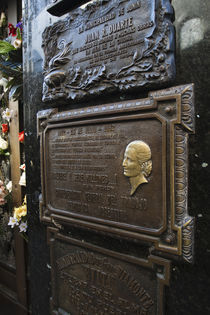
131,165
137,163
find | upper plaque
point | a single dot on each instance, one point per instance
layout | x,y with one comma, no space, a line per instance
108,46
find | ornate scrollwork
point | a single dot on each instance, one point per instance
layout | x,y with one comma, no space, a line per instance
180,174
188,240
182,218
65,78
188,117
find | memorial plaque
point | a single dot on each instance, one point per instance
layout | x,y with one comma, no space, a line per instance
88,280
109,46
121,168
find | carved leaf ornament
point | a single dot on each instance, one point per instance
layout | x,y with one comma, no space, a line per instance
108,46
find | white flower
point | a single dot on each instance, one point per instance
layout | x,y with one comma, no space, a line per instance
17,43
4,82
23,226
23,167
2,18
7,114
9,186
3,144
13,221
22,181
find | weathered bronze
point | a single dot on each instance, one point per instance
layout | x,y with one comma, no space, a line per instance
109,46
60,7
88,181
87,279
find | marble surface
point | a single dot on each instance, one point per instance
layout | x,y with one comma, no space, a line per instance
189,290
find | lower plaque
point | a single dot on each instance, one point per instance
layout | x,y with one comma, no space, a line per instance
87,279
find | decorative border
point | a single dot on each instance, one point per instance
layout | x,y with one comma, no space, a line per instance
188,240
158,266
173,106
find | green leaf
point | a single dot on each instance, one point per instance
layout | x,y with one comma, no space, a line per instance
5,47
18,34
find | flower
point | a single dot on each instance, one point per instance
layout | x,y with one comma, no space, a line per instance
20,212
2,19
3,144
23,167
22,181
19,25
7,114
3,83
21,136
17,43
23,226
13,221
4,128
12,29
9,186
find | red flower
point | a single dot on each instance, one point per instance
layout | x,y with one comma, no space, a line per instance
21,136
12,30
4,128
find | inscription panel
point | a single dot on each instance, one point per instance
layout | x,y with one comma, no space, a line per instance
121,169
90,280
85,167
109,46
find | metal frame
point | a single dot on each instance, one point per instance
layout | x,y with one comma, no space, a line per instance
175,109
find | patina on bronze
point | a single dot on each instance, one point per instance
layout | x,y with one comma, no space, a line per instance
85,176
109,46
87,279
121,168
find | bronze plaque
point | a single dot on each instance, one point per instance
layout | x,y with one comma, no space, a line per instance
109,46
85,173
121,168
88,280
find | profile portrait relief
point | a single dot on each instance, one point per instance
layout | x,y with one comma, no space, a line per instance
137,163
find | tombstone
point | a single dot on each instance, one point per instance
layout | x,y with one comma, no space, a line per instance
114,148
